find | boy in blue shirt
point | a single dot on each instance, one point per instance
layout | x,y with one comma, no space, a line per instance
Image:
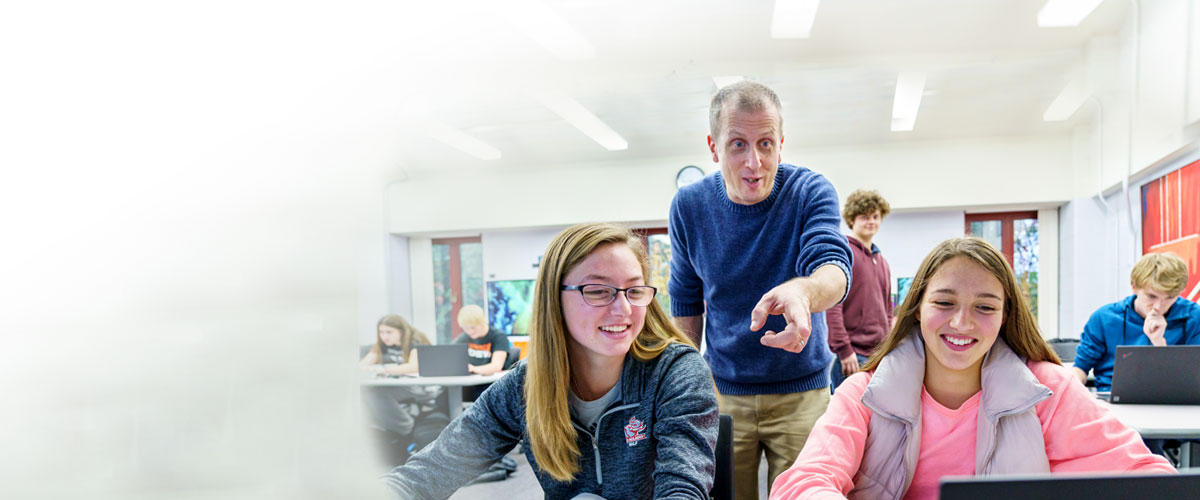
1154,315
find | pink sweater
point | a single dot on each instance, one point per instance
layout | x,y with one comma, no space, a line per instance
947,445
1080,434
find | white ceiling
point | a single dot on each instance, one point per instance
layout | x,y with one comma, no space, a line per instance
991,72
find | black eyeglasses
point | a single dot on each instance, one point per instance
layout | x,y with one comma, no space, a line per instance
603,295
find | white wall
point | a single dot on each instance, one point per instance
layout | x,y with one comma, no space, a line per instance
374,279
906,238
1143,87
925,175
399,271
1143,113
1101,241
398,288
1048,275
1089,275
969,173
513,255
420,258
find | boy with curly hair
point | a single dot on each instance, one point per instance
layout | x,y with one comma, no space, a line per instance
861,321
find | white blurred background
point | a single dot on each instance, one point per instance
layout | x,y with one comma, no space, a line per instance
192,235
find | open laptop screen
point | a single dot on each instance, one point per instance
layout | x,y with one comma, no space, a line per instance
1157,375
1073,486
445,360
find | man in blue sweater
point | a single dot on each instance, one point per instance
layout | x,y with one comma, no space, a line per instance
1154,315
757,256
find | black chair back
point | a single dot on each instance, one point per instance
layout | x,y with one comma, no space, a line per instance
514,355
1064,348
722,488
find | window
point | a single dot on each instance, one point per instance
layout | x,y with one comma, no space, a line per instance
658,248
1015,234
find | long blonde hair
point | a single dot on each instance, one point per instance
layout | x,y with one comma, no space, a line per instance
1019,329
547,415
409,336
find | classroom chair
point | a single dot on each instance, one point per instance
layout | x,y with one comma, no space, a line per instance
722,488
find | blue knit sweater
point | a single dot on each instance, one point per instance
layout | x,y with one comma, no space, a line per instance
1119,324
725,256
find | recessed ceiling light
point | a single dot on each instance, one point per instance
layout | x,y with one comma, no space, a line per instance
458,140
583,119
1065,13
909,87
793,18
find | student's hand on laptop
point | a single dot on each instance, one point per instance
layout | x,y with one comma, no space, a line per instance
1154,327
472,369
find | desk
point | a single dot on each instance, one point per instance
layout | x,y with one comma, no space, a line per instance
453,385
1163,422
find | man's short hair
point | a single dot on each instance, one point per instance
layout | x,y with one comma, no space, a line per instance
1164,272
864,202
745,96
471,315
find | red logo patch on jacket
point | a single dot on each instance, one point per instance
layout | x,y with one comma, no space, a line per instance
635,431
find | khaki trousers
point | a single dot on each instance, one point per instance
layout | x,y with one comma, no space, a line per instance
774,424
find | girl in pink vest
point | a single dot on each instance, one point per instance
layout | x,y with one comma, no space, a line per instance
963,385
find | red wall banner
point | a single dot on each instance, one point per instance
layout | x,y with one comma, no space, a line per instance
1171,220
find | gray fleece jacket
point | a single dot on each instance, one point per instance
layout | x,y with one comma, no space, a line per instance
657,441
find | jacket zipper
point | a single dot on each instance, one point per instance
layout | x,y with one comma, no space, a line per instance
987,462
595,438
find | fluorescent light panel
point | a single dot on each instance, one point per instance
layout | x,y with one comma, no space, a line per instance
722,81
552,32
458,140
1067,102
793,18
579,116
1065,13
909,87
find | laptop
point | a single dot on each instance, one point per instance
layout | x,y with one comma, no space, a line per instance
1072,486
1163,375
446,360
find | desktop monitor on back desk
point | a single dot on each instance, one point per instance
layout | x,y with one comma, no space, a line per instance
1157,375
1072,487
446,360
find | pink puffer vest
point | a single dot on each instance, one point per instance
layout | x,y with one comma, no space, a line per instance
1008,439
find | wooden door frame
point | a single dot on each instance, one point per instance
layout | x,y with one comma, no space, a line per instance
455,275
1006,228
646,232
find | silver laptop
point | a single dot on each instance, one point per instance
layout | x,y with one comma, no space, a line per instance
1073,487
1162,375
447,360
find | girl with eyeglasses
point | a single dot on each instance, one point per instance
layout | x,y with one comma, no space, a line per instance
612,401
963,385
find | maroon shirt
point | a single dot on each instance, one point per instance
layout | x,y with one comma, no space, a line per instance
860,322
